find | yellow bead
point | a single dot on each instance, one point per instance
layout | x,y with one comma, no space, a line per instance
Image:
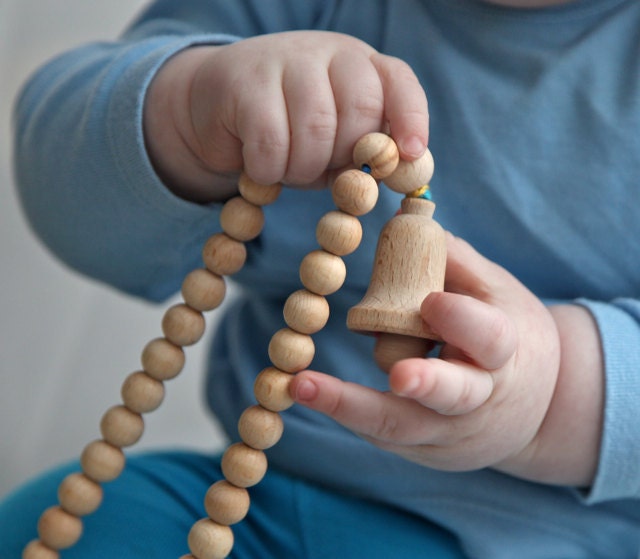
121,427
58,529
355,192
339,233
142,393
291,351
226,504
203,290
271,389
101,461
260,428
79,495
379,152
210,540
182,325
241,220
306,312
224,255
322,273
243,466
162,360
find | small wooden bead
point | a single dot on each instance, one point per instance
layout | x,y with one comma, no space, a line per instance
260,428
390,348
121,427
223,255
142,393
226,504
79,495
162,360
322,273
256,193
411,175
271,389
377,151
210,540
291,351
182,325
58,529
306,312
339,233
243,466
355,192
203,290
241,220
37,550
101,461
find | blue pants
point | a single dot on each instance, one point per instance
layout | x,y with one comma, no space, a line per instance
148,511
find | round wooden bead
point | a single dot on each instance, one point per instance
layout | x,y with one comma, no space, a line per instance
322,273
411,175
58,529
224,255
79,495
142,393
101,461
306,312
378,152
210,540
203,290
339,233
226,504
243,466
241,220
182,325
355,192
121,427
291,351
390,348
271,389
35,549
260,428
256,193
162,360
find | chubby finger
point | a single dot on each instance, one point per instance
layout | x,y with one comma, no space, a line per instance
447,387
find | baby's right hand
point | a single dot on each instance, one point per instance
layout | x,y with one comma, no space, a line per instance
284,107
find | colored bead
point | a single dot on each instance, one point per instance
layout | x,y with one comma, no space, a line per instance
203,290
224,255
339,233
241,220
121,427
377,151
260,428
291,351
162,360
101,461
410,175
182,325
322,272
355,192
37,550
142,393
243,466
58,529
306,312
79,495
258,194
271,389
210,540
226,504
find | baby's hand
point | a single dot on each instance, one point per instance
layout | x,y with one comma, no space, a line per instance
284,107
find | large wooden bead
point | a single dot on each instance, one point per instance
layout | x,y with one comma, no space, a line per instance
58,529
226,504
271,389
101,461
243,466
411,175
121,427
142,393
210,540
224,255
162,360
339,233
182,325
291,351
306,312
79,495
355,192
260,428
203,290
322,272
256,193
377,151
241,220
37,550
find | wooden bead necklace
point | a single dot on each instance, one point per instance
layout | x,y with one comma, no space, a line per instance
389,309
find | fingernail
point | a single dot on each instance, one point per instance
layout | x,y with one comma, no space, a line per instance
306,391
412,146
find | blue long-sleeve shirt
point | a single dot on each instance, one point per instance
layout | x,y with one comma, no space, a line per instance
535,120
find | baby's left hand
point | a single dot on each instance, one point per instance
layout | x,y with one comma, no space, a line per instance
483,401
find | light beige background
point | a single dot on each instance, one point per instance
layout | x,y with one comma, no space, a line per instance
66,343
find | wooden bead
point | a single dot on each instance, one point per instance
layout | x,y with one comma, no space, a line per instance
226,504
35,549
322,273
58,529
339,233
306,312
182,325
101,461
355,192
162,360
379,152
224,255
241,220
291,351
203,290
391,348
121,427
271,389
210,540
411,175
256,193
142,393
260,428
243,466
79,495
